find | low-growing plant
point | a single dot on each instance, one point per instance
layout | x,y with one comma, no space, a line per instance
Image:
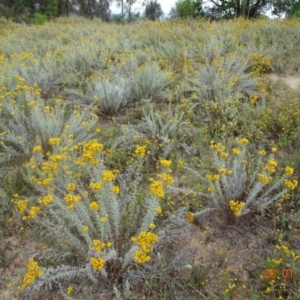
240,186
22,126
166,131
150,83
106,98
97,224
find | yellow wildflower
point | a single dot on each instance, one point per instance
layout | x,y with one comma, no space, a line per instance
291,184
37,149
54,141
189,217
261,152
140,150
165,163
156,188
141,257
210,189
108,176
263,179
94,205
96,186
33,272
70,290
71,187
85,228
180,164
115,189
289,171
236,151
97,263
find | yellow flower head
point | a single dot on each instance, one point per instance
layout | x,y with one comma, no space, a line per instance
33,272
115,189
94,205
158,210
85,228
37,149
70,290
243,141
180,164
236,151
108,176
54,141
156,188
97,263
98,245
210,189
261,152
141,257
71,187
140,150
288,171
189,217
165,163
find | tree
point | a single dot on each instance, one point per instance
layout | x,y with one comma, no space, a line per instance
94,8
285,7
187,8
153,9
237,8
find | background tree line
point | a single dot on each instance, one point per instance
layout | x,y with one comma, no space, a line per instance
40,10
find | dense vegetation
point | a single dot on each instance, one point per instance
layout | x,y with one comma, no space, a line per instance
154,159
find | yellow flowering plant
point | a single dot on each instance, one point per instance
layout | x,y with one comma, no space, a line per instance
88,211
237,188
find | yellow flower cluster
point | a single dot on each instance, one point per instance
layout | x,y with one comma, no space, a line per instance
140,150
94,205
33,272
89,151
115,189
263,179
108,176
290,184
71,200
236,207
288,171
156,188
71,187
167,179
189,217
22,205
96,186
242,141
236,151
145,241
180,164
46,200
37,149
34,210
54,141
165,162
225,171
215,177
261,153
97,263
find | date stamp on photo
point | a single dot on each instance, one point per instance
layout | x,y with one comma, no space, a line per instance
286,273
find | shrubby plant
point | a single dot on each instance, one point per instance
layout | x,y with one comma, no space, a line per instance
24,125
93,216
166,130
106,98
220,80
149,83
238,188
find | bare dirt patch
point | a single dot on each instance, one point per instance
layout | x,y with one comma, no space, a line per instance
292,82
